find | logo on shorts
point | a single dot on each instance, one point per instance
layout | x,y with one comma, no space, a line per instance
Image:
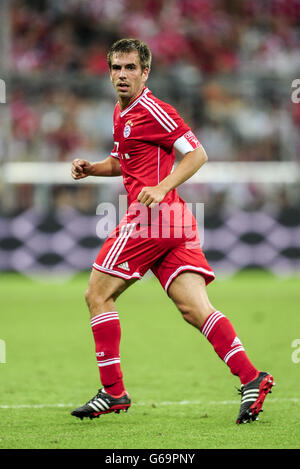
124,266
127,129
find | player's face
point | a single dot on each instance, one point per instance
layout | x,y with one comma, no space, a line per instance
127,76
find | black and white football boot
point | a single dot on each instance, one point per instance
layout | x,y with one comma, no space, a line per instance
253,395
102,403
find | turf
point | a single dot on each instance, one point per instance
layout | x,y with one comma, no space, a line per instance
183,394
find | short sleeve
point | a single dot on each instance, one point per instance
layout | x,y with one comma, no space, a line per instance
114,154
164,124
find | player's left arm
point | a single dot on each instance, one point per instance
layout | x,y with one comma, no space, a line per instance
186,168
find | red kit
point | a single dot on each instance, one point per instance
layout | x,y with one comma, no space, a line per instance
164,239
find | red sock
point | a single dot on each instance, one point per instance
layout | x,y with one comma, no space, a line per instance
107,334
220,333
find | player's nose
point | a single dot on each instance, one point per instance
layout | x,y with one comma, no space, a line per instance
123,73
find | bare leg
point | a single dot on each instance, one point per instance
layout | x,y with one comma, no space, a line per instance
103,290
188,291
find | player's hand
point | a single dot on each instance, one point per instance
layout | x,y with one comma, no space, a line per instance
81,169
151,196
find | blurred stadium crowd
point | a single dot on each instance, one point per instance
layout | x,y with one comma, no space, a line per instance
226,64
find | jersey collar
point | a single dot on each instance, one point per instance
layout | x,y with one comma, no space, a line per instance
136,101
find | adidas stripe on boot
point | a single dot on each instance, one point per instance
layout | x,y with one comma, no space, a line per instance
102,403
253,395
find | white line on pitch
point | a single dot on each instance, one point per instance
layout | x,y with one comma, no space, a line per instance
295,400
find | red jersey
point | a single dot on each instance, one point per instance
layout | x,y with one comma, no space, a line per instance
144,135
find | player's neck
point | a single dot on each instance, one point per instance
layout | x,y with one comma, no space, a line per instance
125,101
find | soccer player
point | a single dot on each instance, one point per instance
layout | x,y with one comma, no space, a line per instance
158,232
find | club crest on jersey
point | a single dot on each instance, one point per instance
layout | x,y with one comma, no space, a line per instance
127,129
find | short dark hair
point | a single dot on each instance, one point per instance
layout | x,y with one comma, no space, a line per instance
125,46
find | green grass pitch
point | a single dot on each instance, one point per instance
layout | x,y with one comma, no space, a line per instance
183,395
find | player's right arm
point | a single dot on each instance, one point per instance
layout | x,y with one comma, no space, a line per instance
83,168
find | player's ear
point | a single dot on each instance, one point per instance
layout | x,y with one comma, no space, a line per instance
146,73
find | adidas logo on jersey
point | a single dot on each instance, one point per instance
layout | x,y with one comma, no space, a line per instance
124,266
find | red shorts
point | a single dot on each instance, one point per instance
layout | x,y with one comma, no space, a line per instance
131,250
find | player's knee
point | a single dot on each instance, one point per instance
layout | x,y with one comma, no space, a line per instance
184,309
191,318
97,300
194,315
87,296
93,300
188,313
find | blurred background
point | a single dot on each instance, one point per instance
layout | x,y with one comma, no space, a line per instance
228,66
